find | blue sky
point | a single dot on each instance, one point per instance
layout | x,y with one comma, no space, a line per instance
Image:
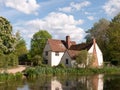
58,17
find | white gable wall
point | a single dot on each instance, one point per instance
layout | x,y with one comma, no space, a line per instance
99,54
55,60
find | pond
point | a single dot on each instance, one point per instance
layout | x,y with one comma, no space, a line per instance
70,82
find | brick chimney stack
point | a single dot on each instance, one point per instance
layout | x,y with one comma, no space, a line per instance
94,41
68,44
95,63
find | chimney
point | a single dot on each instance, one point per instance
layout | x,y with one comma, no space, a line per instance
94,41
95,62
68,42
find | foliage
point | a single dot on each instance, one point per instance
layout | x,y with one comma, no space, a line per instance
7,40
10,77
82,58
113,34
8,56
8,60
37,60
20,48
91,59
34,72
60,66
38,42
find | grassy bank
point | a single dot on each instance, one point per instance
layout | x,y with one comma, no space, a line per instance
34,72
4,77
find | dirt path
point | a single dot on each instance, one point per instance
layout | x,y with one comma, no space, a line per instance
20,68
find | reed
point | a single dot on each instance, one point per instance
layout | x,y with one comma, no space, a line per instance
37,71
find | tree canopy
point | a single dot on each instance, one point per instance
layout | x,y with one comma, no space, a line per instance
38,42
7,40
7,44
113,34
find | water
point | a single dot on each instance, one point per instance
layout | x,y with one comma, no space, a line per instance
92,82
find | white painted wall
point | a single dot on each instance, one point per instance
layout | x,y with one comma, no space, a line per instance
55,60
99,54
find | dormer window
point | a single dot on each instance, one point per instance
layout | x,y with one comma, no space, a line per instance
56,53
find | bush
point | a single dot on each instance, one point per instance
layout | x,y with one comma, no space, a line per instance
60,66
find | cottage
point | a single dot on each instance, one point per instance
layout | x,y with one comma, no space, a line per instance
65,52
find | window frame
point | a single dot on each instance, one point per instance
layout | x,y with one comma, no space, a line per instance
56,53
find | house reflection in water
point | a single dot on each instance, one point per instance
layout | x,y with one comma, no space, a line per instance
94,82
55,84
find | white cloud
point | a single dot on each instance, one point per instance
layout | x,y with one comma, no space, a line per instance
112,7
78,6
74,6
90,17
25,6
57,24
65,9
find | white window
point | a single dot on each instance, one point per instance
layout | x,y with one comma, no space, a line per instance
56,53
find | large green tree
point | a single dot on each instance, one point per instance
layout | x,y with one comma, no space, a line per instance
99,32
38,42
7,40
21,49
7,44
113,34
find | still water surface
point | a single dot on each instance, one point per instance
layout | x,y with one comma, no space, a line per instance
92,82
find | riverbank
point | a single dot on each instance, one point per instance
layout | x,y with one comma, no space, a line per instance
17,69
34,72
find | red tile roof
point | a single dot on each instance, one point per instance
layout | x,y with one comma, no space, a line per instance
61,45
82,46
57,45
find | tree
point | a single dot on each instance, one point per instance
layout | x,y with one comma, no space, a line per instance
37,60
99,32
38,42
113,34
21,48
7,44
82,58
7,40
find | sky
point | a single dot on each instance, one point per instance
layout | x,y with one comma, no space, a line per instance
59,17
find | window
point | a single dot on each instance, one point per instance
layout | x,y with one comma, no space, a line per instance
66,62
46,61
56,53
46,53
